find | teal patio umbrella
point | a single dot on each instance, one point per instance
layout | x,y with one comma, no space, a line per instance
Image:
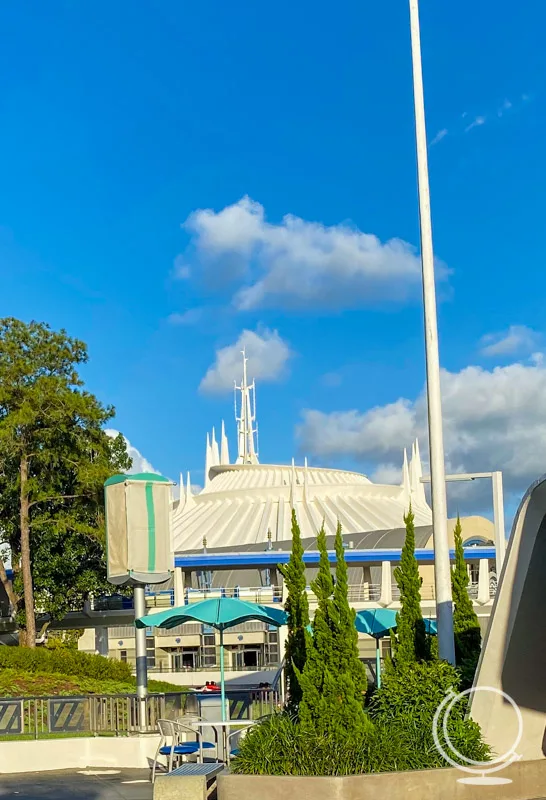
219,613
378,622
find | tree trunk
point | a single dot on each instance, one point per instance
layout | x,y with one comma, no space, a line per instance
28,590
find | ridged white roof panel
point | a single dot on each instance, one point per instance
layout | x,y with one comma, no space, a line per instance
242,503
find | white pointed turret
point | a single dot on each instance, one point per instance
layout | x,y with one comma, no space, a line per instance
215,453
208,461
416,473
224,447
190,502
245,430
406,475
293,485
305,481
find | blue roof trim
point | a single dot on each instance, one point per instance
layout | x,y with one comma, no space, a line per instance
269,558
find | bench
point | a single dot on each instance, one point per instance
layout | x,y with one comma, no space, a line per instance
188,782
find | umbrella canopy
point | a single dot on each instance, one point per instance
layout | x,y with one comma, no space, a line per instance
219,613
378,622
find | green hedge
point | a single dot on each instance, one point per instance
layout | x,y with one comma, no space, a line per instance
64,662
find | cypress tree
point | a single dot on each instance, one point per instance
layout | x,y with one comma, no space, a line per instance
468,638
297,608
352,681
412,641
333,680
318,679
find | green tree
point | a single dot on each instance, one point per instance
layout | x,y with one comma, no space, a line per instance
332,682
54,458
297,608
318,679
351,681
468,638
412,643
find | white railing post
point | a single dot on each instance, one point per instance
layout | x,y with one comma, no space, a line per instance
483,581
386,584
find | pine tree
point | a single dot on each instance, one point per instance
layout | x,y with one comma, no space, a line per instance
412,641
297,608
466,627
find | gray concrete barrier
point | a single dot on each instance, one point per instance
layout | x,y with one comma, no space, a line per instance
528,783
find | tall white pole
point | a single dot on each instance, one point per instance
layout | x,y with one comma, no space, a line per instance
442,571
141,655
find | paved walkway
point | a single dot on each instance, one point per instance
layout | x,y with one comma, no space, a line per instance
70,785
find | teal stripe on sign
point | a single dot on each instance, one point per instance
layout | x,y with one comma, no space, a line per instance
151,526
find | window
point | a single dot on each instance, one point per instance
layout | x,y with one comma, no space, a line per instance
184,659
123,656
208,647
150,651
247,657
272,647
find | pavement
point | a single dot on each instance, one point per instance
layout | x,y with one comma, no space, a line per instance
90,784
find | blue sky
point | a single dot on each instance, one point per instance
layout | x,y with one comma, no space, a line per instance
122,123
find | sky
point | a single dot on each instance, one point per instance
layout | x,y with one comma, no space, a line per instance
179,180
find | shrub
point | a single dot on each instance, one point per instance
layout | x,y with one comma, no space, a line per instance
398,734
64,662
407,702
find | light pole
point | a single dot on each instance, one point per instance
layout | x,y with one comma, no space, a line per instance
442,569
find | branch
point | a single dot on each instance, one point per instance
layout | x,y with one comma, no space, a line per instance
8,586
57,497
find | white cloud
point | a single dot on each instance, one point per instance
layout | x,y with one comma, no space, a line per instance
267,355
190,317
298,263
182,269
140,463
439,136
493,420
518,339
476,123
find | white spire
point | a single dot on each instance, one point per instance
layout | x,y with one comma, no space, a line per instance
416,473
208,461
245,430
293,485
214,450
224,447
405,474
190,502
305,481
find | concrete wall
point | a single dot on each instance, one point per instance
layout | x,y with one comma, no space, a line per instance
78,753
514,652
528,782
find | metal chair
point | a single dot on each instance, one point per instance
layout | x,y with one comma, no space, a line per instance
173,744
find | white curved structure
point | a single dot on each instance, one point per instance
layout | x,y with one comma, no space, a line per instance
248,502
514,652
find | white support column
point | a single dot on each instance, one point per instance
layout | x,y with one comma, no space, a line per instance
141,655
483,581
498,518
178,579
386,584
442,567
101,641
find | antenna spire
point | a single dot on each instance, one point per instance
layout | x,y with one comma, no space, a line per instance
246,419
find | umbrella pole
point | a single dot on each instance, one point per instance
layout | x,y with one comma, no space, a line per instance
378,663
222,675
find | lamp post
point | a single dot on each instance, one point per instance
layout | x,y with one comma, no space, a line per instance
442,570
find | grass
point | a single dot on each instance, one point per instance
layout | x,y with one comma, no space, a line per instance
14,683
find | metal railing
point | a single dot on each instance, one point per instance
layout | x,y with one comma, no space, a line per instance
253,594
116,715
